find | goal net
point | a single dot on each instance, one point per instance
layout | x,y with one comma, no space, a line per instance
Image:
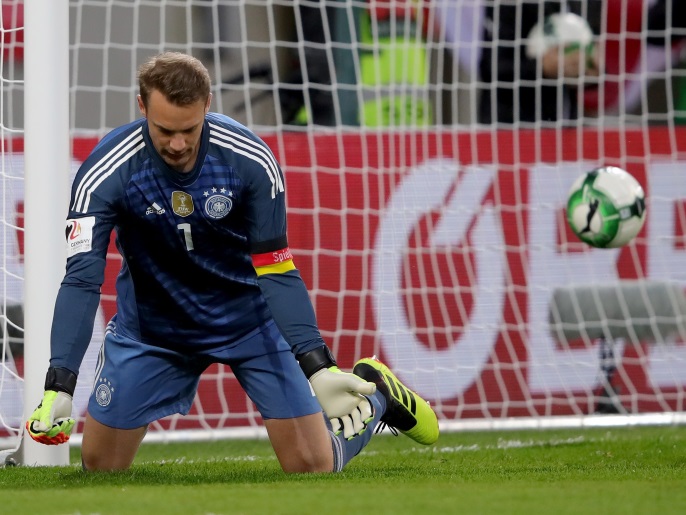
427,236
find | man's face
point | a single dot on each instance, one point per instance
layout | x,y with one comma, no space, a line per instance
175,130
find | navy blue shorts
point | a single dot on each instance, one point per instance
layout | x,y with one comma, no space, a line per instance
136,383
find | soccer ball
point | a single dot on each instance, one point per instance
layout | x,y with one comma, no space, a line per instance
560,29
606,207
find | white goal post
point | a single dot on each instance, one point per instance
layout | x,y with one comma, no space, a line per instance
426,237
46,175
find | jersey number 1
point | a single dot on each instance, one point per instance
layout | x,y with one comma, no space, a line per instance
186,228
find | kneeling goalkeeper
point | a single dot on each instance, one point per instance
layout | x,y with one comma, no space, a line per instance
197,203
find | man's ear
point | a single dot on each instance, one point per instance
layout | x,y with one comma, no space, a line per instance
209,101
141,105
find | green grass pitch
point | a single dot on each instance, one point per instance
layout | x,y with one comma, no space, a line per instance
639,470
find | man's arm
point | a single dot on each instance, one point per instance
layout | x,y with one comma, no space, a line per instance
87,240
72,329
291,308
76,305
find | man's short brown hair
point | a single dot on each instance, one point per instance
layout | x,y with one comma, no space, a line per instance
181,78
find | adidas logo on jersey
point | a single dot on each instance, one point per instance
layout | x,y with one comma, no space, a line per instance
154,209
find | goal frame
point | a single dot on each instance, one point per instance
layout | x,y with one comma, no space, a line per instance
47,159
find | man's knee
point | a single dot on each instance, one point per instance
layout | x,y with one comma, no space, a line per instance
102,460
302,445
308,464
105,448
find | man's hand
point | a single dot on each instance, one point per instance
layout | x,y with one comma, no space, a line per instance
342,397
51,422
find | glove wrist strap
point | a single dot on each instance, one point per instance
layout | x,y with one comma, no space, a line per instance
60,380
313,361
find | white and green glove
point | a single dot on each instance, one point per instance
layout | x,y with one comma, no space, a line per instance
51,423
340,394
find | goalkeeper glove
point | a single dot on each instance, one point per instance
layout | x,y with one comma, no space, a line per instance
51,422
341,395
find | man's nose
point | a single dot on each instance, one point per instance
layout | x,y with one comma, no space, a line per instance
177,142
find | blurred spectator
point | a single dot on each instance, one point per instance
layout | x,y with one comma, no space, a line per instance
305,97
514,86
666,22
667,27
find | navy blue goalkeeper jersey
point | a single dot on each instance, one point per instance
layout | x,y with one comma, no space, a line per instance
189,242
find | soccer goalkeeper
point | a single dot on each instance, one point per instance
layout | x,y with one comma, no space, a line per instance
197,203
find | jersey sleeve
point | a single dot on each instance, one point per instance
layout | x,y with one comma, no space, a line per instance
290,304
277,276
87,237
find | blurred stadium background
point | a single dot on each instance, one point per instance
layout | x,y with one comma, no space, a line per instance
427,238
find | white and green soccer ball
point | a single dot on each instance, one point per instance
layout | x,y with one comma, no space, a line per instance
560,29
606,207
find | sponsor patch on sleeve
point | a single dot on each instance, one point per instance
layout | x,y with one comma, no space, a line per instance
79,233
